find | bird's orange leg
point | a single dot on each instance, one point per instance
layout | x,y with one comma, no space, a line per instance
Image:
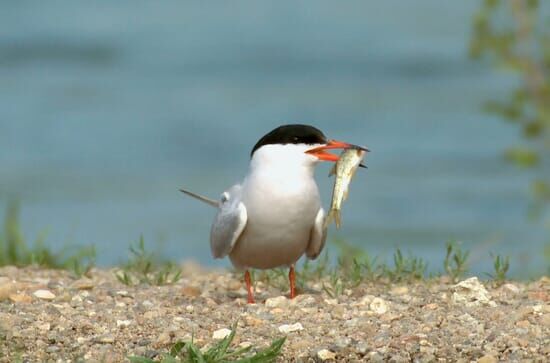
248,281
292,280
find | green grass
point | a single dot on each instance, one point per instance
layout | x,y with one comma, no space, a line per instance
353,267
501,265
14,250
220,352
145,267
456,261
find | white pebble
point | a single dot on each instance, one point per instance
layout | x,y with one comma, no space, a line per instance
325,354
147,304
289,328
123,323
221,334
44,294
471,293
276,302
379,306
512,288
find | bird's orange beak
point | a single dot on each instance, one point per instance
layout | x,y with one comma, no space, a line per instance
321,154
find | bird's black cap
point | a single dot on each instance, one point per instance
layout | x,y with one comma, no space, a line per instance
292,134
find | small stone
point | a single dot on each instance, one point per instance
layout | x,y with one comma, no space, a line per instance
83,284
52,349
325,354
123,323
399,290
253,321
44,294
106,339
190,291
511,288
375,357
164,338
153,314
379,306
365,300
147,304
487,359
6,289
276,302
44,327
20,298
189,308
471,293
245,345
538,295
289,328
304,300
221,334
431,306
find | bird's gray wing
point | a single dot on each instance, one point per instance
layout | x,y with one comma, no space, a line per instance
228,224
317,236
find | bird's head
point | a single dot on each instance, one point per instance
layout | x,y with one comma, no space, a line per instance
298,143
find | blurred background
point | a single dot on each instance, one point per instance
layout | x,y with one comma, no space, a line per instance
107,108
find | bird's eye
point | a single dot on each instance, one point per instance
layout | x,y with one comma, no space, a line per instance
295,138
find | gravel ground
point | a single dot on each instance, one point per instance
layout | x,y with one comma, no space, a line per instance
47,315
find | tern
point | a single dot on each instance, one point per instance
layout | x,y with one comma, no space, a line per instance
274,216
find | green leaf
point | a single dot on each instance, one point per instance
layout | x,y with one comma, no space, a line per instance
522,156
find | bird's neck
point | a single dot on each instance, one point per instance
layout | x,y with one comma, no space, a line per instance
287,162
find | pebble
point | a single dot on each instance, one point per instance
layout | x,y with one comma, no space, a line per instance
20,298
276,302
190,291
44,327
471,293
44,294
123,323
379,306
83,284
164,338
147,304
221,334
106,339
325,354
286,328
511,288
98,323
399,290
6,289
487,359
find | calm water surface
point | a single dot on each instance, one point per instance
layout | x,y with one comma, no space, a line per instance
107,108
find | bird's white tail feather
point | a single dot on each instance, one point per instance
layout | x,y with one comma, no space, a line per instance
204,199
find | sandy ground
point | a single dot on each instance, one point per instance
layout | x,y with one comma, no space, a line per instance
47,315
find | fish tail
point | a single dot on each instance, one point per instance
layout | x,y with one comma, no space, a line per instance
337,218
328,219
333,215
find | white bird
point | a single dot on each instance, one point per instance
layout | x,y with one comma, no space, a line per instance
275,215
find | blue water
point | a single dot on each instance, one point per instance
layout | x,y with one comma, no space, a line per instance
106,108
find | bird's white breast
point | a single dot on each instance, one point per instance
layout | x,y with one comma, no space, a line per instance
282,201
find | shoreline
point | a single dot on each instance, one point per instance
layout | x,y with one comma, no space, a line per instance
46,315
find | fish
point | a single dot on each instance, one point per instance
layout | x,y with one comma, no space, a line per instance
344,169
